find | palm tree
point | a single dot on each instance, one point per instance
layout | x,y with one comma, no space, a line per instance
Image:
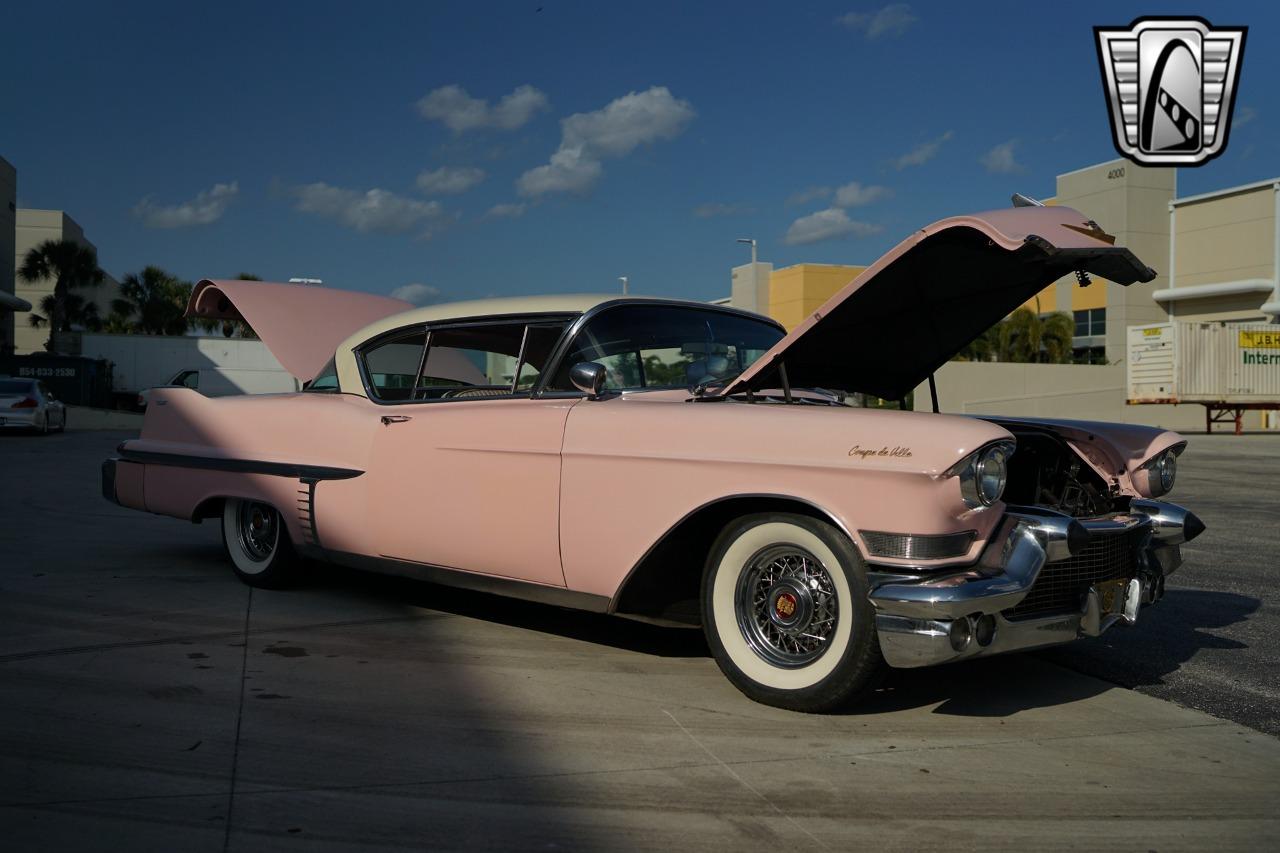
152,302
70,265
1058,331
1040,337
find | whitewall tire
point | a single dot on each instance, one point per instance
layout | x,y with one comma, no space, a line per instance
785,610
257,542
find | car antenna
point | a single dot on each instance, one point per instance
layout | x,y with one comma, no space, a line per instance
933,393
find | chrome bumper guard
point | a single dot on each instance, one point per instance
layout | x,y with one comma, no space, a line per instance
958,615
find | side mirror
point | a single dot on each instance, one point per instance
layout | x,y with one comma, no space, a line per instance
588,377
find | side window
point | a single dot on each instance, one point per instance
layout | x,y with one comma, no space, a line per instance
481,361
326,380
667,346
539,341
391,365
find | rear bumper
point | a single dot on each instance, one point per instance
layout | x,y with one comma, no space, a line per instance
109,480
936,619
18,418
123,483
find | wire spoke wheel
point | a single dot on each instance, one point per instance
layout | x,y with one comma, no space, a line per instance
786,606
258,529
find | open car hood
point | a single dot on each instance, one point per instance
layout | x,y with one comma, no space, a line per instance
891,327
301,324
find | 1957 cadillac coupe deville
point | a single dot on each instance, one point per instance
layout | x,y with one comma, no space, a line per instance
688,463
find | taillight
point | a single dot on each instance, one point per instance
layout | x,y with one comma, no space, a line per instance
29,403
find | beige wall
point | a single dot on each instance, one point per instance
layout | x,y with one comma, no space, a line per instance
1073,391
8,217
797,291
1132,203
1222,238
749,287
33,228
1225,238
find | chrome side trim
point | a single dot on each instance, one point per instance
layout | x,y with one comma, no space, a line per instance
509,587
239,466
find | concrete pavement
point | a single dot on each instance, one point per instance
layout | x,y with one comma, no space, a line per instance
150,701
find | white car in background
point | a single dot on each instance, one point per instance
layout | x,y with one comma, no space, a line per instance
29,404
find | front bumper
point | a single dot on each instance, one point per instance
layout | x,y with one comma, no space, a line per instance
930,619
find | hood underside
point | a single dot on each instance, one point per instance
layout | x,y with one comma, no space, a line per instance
890,328
301,324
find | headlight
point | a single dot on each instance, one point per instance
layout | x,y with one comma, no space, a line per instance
983,474
992,472
1159,472
1168,468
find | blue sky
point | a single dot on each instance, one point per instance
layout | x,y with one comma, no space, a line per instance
563,144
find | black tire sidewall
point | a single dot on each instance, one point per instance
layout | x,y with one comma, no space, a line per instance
860,665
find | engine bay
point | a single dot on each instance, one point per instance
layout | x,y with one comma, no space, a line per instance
1045,471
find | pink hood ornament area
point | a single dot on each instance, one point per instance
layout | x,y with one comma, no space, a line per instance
691,464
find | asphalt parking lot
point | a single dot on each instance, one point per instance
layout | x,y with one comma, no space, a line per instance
150,701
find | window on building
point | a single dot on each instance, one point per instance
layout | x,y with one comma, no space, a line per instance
1091,322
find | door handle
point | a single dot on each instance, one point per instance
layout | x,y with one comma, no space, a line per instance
395,419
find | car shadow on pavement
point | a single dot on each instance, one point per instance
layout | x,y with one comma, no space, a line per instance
1133,657
996,687
598,628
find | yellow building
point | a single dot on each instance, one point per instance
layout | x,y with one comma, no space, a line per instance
797,291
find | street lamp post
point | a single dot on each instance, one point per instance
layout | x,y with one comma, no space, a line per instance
624,280
753,246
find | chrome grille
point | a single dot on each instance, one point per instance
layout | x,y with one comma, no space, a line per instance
909,546
1061,586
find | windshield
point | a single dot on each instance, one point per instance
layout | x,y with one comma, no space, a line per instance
668,346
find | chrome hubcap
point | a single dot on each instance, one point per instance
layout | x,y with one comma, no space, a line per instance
786,606
258,529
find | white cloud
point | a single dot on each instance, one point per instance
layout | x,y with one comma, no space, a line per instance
458,111
808,195
372,210
448,180
207,207
716,208
570,170
418,294
855,194
922,153
892,20
506,210
638,118
1243,116
1000,160
828,224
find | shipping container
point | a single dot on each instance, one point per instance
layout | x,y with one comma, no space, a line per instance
1232,367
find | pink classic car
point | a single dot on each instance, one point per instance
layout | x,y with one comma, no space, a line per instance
686,463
